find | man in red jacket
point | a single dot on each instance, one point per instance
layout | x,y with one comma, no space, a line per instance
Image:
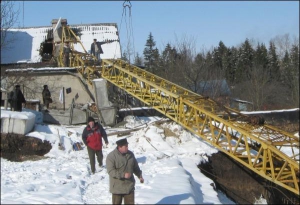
92,137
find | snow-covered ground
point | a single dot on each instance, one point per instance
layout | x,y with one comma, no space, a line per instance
169,165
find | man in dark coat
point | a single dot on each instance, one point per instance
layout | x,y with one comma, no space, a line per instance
46,97
96,49
17,99
92,137
121,164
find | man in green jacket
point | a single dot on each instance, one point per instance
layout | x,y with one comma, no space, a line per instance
121,164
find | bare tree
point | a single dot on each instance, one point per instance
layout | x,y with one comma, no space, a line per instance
198,72
282,43
259,89
188,73
9,17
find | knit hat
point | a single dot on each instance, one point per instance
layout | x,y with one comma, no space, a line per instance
45,86
122,142
90,119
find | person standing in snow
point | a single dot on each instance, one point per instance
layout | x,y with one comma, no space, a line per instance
121,164
92,136
46,97
17,99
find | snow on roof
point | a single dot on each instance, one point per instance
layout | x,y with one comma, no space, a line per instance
40,69
241,101
26,42
270,111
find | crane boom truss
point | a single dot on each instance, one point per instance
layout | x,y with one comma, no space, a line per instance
266,150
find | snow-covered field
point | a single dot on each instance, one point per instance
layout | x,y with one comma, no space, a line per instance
169,165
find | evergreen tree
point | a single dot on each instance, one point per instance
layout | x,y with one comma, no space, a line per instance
218,55
168,62
229,64
295,75
245,62
273,65
209,60
287,71
261,56
149,53
138,60
156,60
295,59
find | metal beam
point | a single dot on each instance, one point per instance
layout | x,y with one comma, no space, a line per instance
266,150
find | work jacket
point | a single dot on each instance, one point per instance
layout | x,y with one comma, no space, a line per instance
92,137
117,164
46,96
17,100
100,50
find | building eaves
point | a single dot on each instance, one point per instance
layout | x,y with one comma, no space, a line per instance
41,70
71,25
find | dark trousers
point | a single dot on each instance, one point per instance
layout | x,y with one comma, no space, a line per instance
92,154
128,198
66,60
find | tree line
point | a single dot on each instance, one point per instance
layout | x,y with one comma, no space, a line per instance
267,76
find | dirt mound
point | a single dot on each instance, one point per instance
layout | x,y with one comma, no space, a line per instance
19,148
241,184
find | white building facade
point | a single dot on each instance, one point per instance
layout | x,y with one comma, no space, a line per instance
25,42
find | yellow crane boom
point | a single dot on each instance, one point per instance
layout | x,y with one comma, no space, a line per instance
266,150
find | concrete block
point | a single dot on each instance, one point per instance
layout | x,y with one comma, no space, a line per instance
4,124
17,122
105,107
21,126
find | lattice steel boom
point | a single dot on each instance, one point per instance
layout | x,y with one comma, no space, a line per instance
266,150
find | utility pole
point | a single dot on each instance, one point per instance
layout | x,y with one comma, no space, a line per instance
64,98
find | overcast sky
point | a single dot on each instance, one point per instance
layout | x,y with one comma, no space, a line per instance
203,22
